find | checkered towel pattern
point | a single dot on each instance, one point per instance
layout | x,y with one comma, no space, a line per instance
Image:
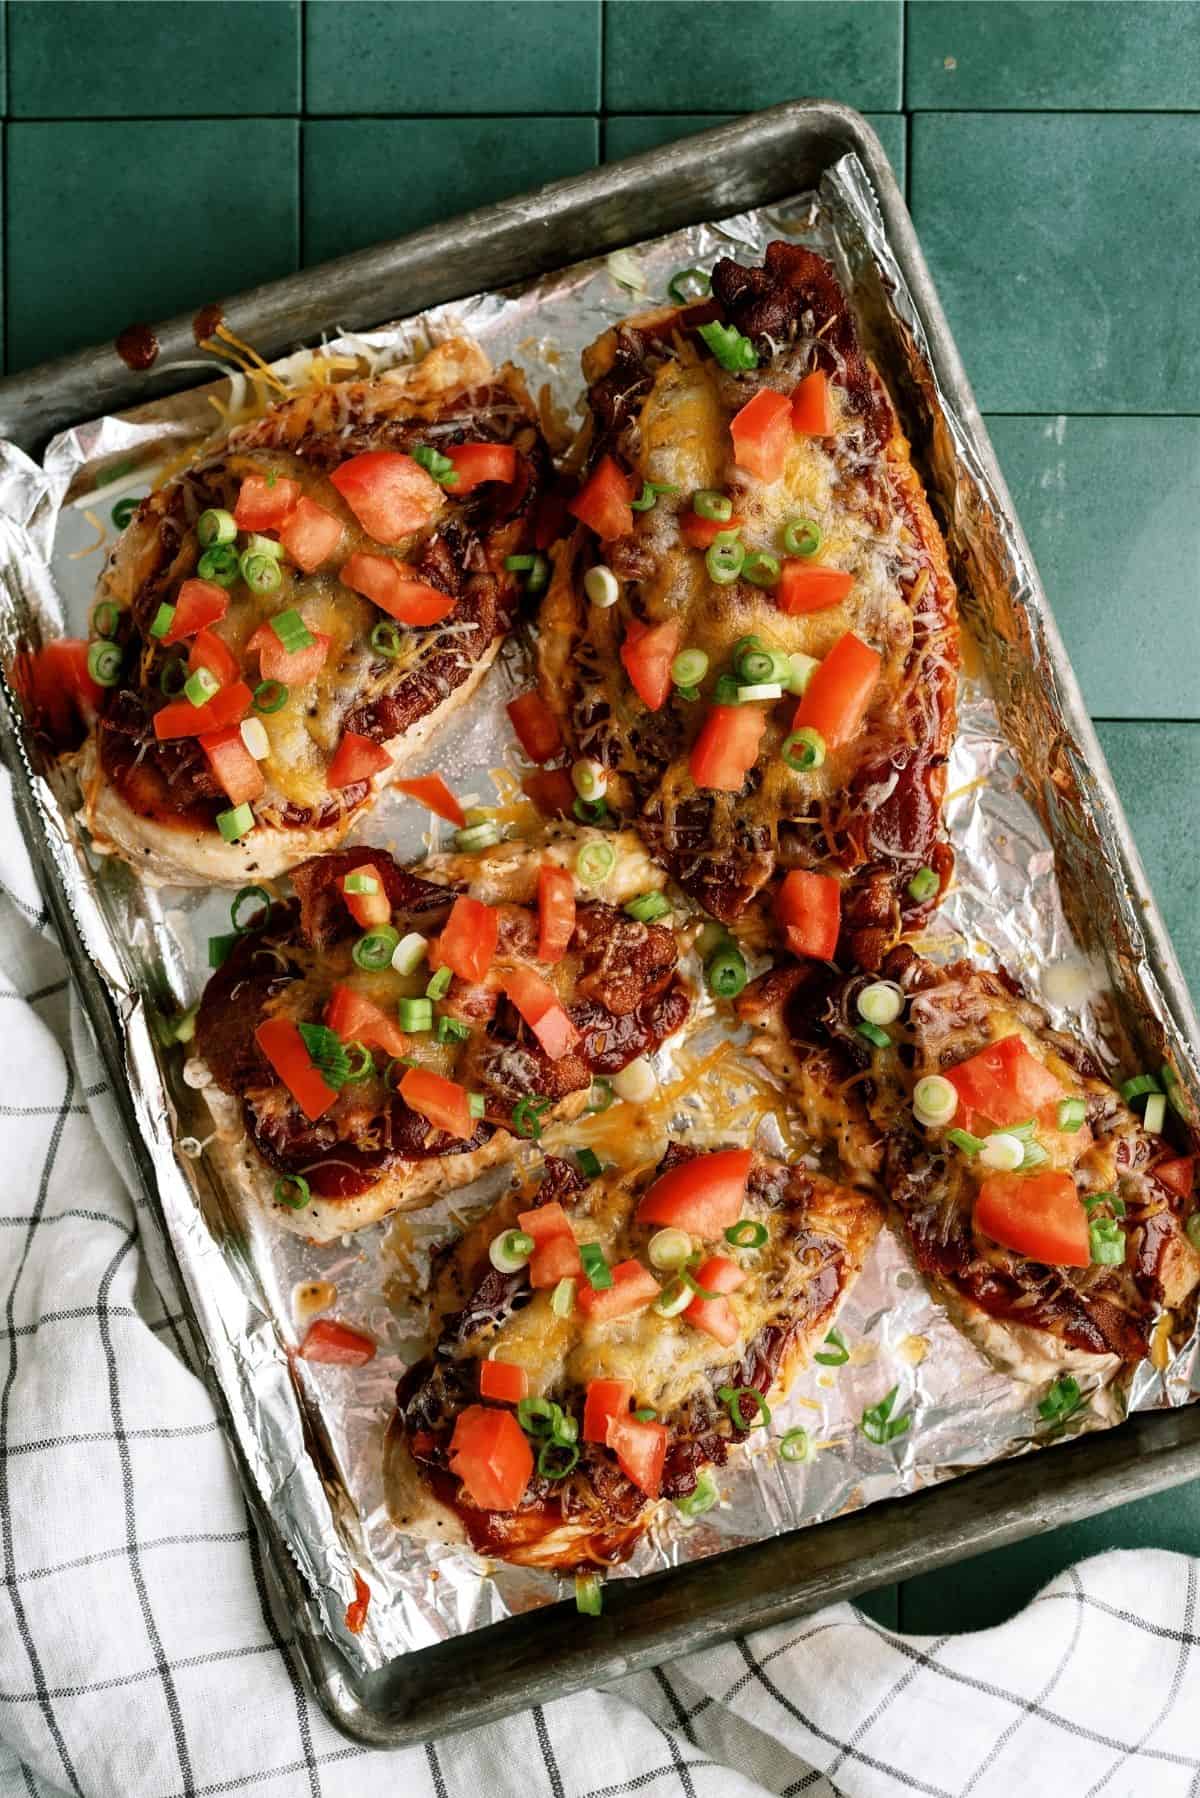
140,1658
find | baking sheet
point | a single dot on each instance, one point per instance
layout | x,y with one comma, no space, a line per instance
1037,862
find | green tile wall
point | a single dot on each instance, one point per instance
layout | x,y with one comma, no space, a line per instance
160,153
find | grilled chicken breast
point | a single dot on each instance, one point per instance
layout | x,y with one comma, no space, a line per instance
388,587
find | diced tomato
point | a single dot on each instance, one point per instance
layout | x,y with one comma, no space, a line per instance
209,651
539,1005
603,502
358,1019
56,689
605,1399
812,407
431,790
727,747
1039,1215
309,535
556,911
183,719
197,604
490,1454
1004,1082
702,1196
803,588
633,1288
503,1381
397,589
702,533
282,1044
264,502
556,1253
1177,1175
475,463
809,908
641,1450
762,433
336,1345
291,666
234,768
840,690
367,909
355,758
468,940
390,495
646,656
536,726
444,1103
716,1316
551,791
356,1610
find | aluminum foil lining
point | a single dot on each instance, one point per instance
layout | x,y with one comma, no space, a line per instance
1048,884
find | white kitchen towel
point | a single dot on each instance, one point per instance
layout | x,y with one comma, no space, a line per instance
139,1656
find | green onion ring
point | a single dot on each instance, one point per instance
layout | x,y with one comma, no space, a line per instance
292,1191
731,1397
259,918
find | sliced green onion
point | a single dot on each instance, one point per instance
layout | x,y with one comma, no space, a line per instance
292,1191
535,1415
646,907
647,1414
562,1299
725,970
1034,1156
1022,1132
935,1101
766,690
476,1106
292,631
436,464
1001,1152
589,1594
801,537
237,822
796,1445
688,284
219,565
1192,1228
726,690
878,1425
104,664
105,619
1106,1242
589,779
1141,1083
747,1233
761,569
270,696
710,503
731,349
689,668
601,586
592,811
756,664
596,1268
548,1465
519,564
1092,1201
439,983
962,1139
452,1030
476,837
160,624
508,1253
923,885
262,546
1071,1114
731,1397
415,1014
874,1034
199,686
527,1116
724,562
804,749
669,1249
1155,1114
374,950
589,1163
409,953
359,881
261,573
179,1029
220,948
801,669
701,1498
1063,1397
241,900
673,1299
253,733
362,1063
881,1002
123,511
595,862
386,640
216,526
649,494
837,1354
601,1095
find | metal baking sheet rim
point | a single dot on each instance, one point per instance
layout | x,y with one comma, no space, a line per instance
544,1654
